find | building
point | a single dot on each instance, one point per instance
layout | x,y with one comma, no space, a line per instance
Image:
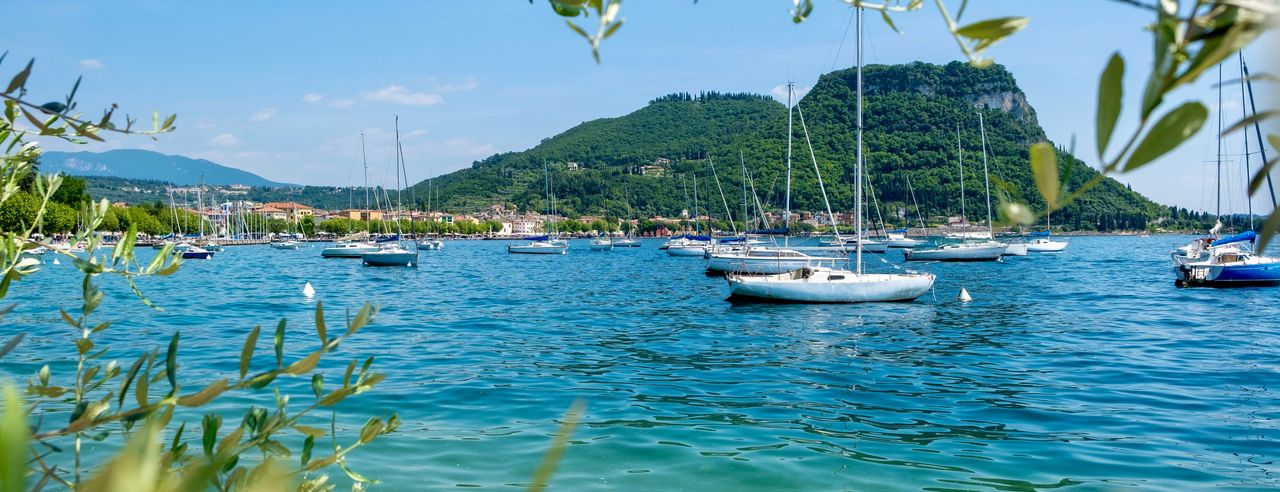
661,161
270,212
293,210
358,214
572,166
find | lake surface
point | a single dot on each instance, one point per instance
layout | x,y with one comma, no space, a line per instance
1084,370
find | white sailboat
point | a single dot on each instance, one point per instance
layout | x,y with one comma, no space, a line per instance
756,260
829,285
988,250
545,244
601,244
691,245
393,253
355,245
1042,243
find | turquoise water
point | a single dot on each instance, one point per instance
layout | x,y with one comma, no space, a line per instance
1085,370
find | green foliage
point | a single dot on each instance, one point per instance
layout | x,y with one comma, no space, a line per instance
58,218
72,192
18,212
101,398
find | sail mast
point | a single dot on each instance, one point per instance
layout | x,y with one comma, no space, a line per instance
786,213
727,213
985,175
368,213
1257,128
964,216
1247,172
1218,212
858,194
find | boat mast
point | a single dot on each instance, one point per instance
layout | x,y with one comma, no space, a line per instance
723,200
1257,128
964,216
743,163
1247,172
919,216
399,158
200,207
858,193
368,213
786,213
817,172
1218,212
697,226
991,228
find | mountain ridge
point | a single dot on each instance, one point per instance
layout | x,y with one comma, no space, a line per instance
150,165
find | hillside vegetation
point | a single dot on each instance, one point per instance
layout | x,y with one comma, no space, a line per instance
912,115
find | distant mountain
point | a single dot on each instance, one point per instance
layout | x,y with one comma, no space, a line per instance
145,164
653,155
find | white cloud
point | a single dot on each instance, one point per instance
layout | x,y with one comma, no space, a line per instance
342,103
416,133
92,63
204,123
312,97
469,85
400,94
224,140
780,93
263,114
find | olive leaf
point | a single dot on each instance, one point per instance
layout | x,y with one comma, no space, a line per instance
1167,134
1110,94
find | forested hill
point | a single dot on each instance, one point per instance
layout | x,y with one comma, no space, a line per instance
911,116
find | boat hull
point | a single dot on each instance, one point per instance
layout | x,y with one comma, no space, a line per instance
1228,275
197,255
975,253
399,258
537,250
838,287
284,245
1048,247
904,243
601,246
347,251
687,250
1016,249
626,243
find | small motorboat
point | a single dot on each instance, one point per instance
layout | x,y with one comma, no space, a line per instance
351,249
1016,248
540,245
196,253
1046,245
391,255
286,244
626,242
983,251
601,244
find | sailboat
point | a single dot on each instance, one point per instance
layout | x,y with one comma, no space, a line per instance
1042,243
988,250
393,253
752,259
544,244
355,245
196,252
287,241
695,244
629,239
819,284
1229,261
602,244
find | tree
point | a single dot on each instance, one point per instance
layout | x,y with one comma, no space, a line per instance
18,212
72,192
58,218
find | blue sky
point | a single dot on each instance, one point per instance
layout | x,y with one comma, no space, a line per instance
284,88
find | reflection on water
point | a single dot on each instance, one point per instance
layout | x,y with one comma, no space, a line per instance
1084,370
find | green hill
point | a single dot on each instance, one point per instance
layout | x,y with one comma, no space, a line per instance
911,117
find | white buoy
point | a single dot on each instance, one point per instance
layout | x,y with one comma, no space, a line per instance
964,295
308,290
56,262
